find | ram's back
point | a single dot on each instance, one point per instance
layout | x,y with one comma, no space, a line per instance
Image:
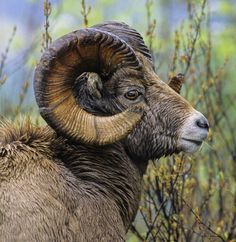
40,199
32,187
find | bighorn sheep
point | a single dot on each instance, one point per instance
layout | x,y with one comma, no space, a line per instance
79,179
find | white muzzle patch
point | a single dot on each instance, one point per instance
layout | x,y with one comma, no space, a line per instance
193,132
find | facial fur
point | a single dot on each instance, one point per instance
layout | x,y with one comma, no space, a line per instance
165,111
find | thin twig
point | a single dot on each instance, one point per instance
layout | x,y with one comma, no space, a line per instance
47,10
201,222
4,56
85,12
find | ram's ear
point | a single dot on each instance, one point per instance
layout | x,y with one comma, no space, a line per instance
176,82
92,82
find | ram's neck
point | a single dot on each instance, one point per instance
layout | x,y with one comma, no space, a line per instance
110,173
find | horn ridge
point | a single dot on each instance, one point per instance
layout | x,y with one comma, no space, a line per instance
85,50
128,34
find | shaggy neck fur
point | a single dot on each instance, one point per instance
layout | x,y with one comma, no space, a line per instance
109,171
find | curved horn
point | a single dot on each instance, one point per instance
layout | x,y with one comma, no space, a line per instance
86,50
129,35
176,82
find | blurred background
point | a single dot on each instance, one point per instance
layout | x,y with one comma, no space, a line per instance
185,198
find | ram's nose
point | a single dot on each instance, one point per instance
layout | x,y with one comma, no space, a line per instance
193,132
202,123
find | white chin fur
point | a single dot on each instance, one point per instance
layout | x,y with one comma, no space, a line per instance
192,135
189,147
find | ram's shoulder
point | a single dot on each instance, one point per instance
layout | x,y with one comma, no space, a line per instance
26,150
24,136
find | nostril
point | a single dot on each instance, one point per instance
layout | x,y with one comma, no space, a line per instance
202,123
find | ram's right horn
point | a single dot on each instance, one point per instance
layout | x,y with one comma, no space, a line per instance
86,50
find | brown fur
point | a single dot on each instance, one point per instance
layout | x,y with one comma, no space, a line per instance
44,198
56,189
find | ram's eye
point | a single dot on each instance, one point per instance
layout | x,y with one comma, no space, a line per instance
132,95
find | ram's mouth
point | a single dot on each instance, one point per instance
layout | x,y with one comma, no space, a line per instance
196,142
190,145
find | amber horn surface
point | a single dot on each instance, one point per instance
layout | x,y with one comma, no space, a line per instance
86,50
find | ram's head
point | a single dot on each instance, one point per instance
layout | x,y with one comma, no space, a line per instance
98,86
